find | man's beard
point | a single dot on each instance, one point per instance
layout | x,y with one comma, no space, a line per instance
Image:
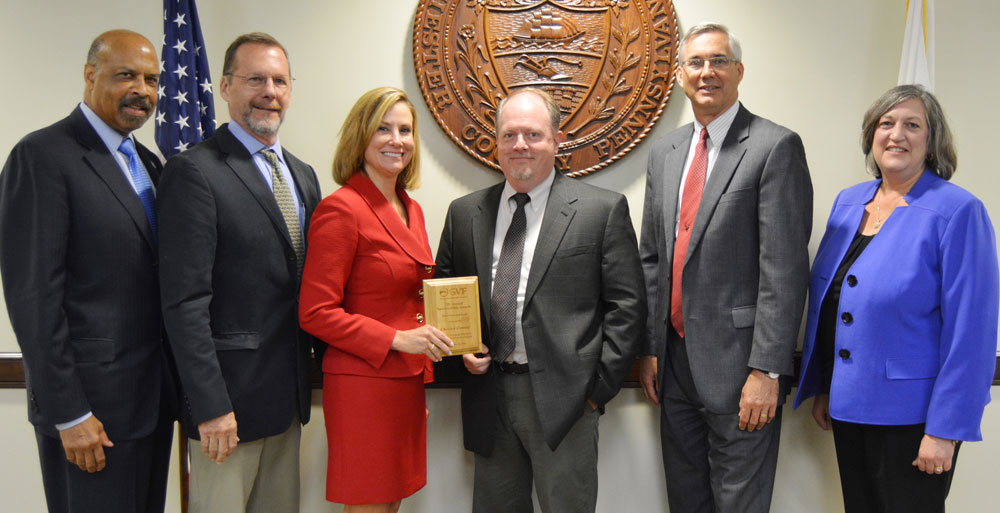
262,127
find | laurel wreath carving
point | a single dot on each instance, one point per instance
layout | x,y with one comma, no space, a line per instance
613,80
468,51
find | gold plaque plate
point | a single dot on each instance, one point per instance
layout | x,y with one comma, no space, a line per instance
452,306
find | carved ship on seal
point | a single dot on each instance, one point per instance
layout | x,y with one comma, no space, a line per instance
548,25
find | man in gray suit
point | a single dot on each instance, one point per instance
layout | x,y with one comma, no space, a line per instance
725,226
562,309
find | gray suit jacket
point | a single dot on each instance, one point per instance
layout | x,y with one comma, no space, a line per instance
583,311
747,266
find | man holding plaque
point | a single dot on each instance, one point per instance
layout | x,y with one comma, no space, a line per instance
563,310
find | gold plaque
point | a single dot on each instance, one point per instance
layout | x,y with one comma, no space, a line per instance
452,306
609,64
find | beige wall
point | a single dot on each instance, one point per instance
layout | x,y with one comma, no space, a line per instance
813,66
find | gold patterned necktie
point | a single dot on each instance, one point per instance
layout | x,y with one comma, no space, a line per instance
283,195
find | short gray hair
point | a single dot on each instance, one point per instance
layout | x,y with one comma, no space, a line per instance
703,27
941,156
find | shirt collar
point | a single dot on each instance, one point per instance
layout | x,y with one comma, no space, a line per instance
719,127
252,144
112,139
537,194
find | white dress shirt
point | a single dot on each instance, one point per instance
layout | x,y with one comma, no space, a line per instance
717,130
534,211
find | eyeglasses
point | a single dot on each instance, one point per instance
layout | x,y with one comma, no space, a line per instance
716,63
281,82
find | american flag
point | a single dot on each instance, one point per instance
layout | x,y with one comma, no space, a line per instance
185,106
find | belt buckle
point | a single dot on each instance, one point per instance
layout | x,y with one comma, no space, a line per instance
513,367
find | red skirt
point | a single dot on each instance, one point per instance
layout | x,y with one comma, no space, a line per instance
376,431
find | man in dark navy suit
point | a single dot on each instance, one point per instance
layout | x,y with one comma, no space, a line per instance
79,263
235,210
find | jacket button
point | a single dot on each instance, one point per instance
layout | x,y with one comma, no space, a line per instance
844,353
420,294
852,280
847,317
420,318
428,269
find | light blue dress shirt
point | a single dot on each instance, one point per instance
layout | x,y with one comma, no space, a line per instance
254,146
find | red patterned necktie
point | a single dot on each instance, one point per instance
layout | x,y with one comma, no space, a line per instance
693,187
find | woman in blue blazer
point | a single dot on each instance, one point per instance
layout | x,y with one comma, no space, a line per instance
901,333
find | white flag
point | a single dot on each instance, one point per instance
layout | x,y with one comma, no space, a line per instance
916,66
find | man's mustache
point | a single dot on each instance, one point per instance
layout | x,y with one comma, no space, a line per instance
136,102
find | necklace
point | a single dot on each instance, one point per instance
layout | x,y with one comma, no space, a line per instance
878,207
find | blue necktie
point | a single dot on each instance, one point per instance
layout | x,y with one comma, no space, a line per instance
143,187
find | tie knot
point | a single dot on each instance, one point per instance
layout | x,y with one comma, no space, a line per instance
127,147
704,135
521,199
270,157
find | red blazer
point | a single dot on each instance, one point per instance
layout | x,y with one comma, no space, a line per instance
363,281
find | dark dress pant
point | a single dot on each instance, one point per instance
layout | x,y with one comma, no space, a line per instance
876,474
134,479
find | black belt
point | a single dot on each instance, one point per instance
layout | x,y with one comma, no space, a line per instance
512,368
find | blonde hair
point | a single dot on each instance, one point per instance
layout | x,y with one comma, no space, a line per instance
359,127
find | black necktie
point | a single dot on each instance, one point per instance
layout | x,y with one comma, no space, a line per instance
503,305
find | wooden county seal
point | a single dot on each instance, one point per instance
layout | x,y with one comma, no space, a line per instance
608,63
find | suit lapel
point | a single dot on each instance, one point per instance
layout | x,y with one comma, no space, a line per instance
107,169
407,238
730,155
151,162
558,214
673,168
241,162
484,224
302,175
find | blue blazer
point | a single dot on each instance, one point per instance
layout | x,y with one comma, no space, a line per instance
917,325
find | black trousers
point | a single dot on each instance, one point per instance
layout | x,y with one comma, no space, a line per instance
134,479
876,474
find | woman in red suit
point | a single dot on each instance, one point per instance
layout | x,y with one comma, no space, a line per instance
362,294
